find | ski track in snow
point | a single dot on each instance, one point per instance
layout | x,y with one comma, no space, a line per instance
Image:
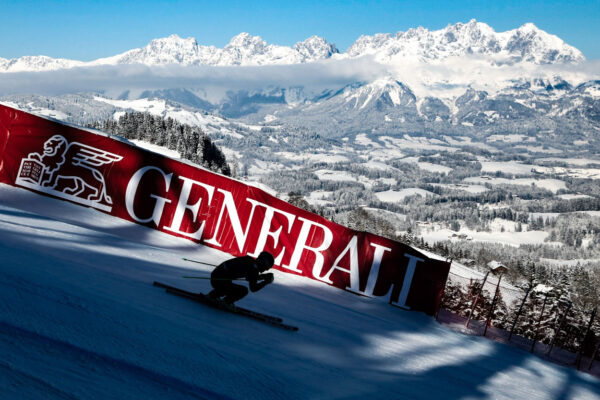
80,319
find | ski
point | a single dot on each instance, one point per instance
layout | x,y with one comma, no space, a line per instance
205,299
201,298
218,304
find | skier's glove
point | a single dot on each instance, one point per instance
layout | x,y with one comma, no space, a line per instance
267,278
261,281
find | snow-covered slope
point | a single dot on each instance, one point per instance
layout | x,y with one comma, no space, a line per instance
79,318
525,44
97,108
209,123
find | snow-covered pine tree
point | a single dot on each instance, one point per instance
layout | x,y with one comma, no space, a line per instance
455,299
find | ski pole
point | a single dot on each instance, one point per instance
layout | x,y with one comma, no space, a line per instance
214,279
198,262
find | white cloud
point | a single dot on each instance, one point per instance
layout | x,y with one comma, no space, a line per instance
452,76
447,78
312,76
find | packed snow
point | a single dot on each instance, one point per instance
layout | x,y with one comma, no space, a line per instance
81,319
157,149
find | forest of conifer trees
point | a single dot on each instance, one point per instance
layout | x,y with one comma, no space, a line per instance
190,142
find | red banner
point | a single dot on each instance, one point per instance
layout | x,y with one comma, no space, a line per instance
95,170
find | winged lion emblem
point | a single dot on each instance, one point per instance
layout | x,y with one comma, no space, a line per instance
69,170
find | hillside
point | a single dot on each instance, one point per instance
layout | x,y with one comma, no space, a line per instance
81,319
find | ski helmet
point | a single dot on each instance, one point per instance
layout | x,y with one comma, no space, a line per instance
266,259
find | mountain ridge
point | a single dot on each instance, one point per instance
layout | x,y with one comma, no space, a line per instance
526,44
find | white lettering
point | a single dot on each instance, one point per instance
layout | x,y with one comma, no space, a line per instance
353,271
408,277
266,232
375,265
183,205
352,247
234,219
132,187
302,244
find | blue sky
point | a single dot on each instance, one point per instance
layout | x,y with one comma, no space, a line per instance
87,30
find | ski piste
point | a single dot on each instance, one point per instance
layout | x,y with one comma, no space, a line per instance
201,298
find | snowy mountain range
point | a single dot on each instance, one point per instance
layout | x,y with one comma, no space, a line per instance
243,49
463,80
527,44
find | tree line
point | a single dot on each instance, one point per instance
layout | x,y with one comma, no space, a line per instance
190,142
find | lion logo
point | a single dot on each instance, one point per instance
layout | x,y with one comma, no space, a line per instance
70,171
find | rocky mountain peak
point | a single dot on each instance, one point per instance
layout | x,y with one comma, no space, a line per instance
525,44
245,40
316,48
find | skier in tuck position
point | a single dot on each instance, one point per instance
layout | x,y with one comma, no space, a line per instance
240,267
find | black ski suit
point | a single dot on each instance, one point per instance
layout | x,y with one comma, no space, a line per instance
236,268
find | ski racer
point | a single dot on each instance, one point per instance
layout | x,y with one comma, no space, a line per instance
245,267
